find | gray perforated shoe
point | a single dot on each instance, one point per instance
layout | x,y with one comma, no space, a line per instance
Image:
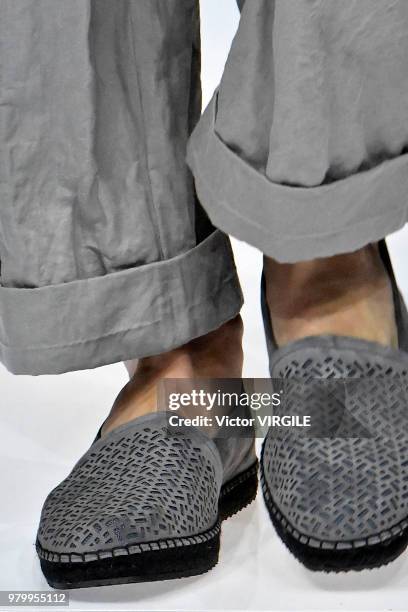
144,503
338,497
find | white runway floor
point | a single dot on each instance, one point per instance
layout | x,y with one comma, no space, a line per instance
46,424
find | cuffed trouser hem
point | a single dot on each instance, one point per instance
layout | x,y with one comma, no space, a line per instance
125,315
293,223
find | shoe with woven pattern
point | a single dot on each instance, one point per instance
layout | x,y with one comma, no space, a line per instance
144,503
338,494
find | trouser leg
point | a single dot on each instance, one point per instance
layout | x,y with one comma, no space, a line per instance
303,150
105,253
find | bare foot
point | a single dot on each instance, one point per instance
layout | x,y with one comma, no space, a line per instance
346,295
216,355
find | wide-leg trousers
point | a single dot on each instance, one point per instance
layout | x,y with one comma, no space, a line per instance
116,198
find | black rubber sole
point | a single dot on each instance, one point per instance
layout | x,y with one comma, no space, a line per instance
334,560
169,559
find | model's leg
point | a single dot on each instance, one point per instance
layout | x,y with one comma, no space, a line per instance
106,256
303,153
347,295
105,253
315,125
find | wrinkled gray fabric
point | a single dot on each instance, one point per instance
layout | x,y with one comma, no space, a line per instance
327,95
303,150
105,253
96,112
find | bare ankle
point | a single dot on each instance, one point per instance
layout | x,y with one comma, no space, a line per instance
215,355
332,275
346,294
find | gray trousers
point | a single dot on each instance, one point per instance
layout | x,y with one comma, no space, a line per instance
106,252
